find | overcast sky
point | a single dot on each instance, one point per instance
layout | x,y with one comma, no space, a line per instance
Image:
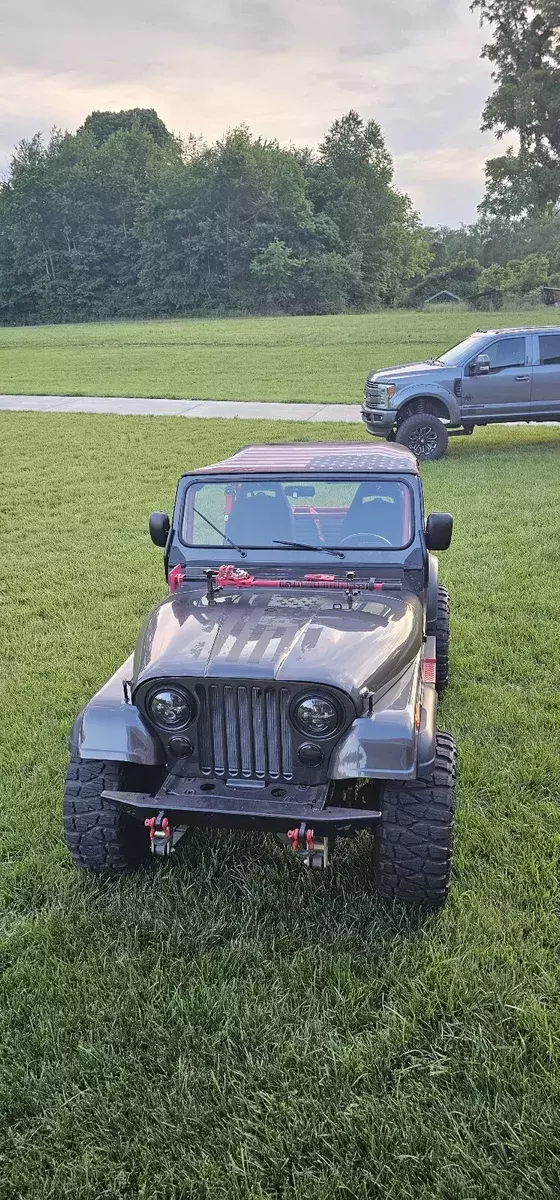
285,67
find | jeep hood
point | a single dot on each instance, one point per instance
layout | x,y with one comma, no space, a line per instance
281,636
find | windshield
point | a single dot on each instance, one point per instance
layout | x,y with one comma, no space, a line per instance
370,513
466,349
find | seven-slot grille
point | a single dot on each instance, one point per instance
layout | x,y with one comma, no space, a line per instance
244,731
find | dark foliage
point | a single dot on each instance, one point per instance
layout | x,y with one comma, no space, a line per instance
122,219
525,56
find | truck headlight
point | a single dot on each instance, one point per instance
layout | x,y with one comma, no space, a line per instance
385,393
170,708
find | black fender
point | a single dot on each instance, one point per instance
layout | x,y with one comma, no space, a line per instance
432,594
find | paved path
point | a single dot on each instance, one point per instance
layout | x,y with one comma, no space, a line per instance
185,408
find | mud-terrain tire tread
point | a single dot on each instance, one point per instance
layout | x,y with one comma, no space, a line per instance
411,423
414,838
100,835
442,640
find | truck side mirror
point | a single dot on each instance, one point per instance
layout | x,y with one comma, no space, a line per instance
439,531
480,365
159,528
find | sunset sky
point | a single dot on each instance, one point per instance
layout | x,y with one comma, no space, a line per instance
286,68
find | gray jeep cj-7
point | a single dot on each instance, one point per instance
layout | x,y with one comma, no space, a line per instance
290,688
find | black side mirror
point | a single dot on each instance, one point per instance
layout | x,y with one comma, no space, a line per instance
480,365
159,529
439,531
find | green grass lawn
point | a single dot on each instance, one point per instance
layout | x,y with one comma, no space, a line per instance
319,359
227,1027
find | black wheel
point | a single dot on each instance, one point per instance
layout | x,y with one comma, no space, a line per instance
442,640
100,835
425,435
414,838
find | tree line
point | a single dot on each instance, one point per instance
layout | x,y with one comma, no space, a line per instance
122,219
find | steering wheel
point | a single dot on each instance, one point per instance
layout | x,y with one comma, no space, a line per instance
364,538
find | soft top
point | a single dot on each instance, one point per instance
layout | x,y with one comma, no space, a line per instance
293,457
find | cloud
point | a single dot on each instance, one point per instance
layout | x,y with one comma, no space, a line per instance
285,67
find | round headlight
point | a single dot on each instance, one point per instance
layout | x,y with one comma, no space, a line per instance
170,708
316,716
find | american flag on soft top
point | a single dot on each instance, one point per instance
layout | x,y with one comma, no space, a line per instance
318,456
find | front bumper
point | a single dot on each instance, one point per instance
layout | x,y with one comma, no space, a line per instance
379,421
279,807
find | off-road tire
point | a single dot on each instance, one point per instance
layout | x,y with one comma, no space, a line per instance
100,835
414,838
420,430
442,640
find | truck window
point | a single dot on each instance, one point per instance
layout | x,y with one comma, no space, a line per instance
549,350
508,352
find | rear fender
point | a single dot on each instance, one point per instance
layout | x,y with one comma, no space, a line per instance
110,728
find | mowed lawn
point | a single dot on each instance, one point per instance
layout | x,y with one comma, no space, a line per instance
228,1027
312,359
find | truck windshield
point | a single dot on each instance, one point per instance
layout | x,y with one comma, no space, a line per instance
465,350
368,513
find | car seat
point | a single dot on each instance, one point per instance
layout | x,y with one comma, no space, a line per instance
258,517
370,512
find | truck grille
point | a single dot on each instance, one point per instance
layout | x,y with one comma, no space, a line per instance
371,394
244,731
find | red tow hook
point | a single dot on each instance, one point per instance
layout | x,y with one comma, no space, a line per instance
301,840
293,838
161,834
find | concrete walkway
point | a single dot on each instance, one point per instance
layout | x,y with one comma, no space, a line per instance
253,410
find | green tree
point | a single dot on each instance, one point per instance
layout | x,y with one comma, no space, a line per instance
525,56
351,182
227,225
69,209
273,269
520,276
102,125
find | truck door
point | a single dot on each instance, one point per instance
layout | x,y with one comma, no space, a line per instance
505,392
545,397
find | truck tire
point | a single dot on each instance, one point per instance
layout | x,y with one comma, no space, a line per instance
442,640
100,835
425,435
414,837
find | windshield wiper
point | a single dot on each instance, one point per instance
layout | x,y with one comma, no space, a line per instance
433,362
305,546
243,553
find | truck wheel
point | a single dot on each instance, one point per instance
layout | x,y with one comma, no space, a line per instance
442,640
424,434
414,837
101,835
